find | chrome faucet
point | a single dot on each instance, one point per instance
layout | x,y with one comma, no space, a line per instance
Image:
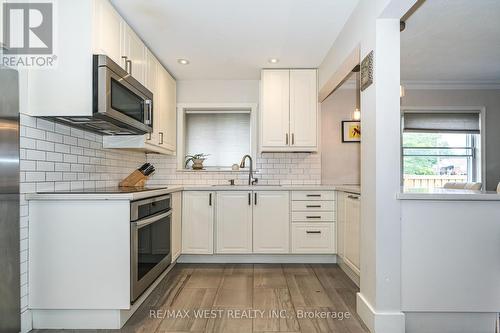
251,179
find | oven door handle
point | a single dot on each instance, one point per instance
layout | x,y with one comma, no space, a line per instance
147,221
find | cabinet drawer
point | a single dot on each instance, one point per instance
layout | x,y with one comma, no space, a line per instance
313,238
313,216
313,195
308,206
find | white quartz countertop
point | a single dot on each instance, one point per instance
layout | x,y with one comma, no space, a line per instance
102,195
447,194
97,195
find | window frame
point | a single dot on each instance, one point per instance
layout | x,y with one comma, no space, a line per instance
480,148
212,108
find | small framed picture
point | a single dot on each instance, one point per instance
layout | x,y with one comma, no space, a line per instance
351,131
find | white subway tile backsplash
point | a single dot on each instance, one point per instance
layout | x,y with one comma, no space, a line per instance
272,169
44,145
35,133
35,155
44,166
34,176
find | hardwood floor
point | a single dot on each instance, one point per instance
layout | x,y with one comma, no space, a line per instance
249,298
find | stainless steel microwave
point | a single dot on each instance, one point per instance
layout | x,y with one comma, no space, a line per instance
121,105
119,97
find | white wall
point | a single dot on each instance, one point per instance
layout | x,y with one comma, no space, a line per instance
374,25
340,162
218,91
490,99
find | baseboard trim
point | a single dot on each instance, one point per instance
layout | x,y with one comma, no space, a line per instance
379,322
26,321
259,258
348,271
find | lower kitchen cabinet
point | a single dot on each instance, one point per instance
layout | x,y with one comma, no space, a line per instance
352,231
271,222
234,222
197,222
176,226
313,237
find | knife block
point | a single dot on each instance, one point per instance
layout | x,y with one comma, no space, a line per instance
135,179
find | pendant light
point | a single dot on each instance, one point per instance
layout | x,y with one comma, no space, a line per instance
356,115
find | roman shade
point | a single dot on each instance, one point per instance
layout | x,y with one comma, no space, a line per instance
462,122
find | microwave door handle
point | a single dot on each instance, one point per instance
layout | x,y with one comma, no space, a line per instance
149,104
147,221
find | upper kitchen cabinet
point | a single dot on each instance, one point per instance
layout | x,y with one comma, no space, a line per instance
289,110
107,31
133,54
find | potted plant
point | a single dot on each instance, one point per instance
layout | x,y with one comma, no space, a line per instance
197,160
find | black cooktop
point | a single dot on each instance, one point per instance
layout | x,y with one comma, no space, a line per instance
110,190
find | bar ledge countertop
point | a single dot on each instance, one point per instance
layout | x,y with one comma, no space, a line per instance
447,195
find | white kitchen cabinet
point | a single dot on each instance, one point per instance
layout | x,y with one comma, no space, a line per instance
197,222
135,52
289,110
313,238
303,108
271,222
234,222
341,198
275,112
352,231
87,27
107,31
176,225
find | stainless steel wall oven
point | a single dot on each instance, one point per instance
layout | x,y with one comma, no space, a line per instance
150,241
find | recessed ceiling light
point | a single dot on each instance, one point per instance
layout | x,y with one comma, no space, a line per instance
183,61
274,60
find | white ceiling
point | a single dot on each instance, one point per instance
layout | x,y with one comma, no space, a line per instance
233,39
452,40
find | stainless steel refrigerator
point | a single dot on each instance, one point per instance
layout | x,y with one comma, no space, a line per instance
10,304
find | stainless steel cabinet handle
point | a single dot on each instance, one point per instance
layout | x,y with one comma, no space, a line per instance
286,138
129,63
313,195
210,199
313,231
161,138
255,198
125,58
313,217
249,198
353,197
313,206
293,138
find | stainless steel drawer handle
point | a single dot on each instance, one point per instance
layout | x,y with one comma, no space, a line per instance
353,197
313,231
313,206
313,195
313,217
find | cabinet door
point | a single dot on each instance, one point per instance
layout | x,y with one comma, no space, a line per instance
135,51
303,108
275,109
271,222
176,225
234,222
168,117
352,221
197,222
341,200
106,31
152,79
